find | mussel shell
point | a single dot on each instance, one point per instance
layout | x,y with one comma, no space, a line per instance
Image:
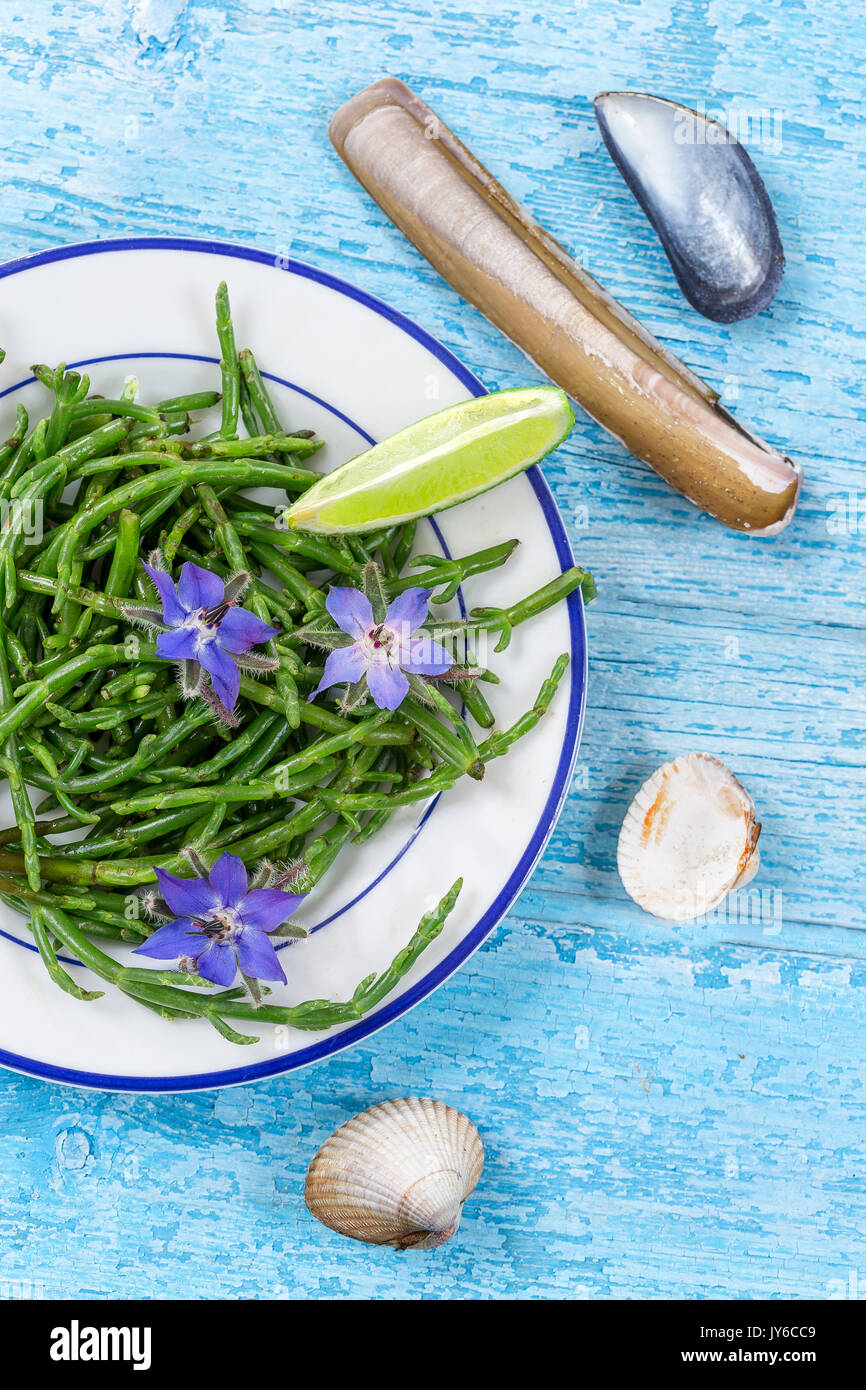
704,197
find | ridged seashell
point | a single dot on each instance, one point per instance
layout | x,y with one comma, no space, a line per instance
704,197
397,1174
688,838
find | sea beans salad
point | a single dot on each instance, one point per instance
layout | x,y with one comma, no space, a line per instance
214,703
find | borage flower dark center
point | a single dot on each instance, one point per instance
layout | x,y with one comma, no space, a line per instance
212,616
220,926
381,637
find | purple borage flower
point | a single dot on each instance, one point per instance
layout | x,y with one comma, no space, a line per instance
384,653
221,923
203,625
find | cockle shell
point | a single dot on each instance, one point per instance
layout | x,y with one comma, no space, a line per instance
688,838
397,1174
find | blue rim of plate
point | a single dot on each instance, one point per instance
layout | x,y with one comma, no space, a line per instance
365,1027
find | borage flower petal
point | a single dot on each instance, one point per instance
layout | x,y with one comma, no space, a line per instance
228,879
178,938
198,588
408,610
224,674
188,897
351,610
218,963
424,657
177,645
343,667
388,685
239,630
265,909
172,610
257,957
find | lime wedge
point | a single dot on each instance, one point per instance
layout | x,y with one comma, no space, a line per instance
438,462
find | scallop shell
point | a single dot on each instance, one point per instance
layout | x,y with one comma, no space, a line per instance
688,838
397,1174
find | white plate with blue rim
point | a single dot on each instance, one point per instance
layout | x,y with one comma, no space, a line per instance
345,364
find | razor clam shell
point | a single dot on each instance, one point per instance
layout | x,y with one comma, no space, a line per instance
503,262
397,1174
688,839
704,198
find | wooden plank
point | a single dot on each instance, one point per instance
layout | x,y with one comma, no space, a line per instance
667,1111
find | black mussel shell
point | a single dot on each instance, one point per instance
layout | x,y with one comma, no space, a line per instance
704,197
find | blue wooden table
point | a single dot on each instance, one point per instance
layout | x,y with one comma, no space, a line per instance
666,1111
